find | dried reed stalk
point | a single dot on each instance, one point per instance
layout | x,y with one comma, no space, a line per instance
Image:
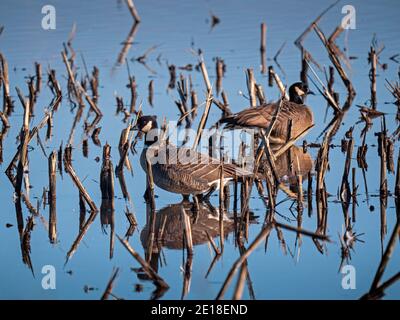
263,48
70,170
132,10
52,197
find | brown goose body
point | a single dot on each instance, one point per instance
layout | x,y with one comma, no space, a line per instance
261,116
185,171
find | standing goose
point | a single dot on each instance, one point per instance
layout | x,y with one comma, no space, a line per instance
261,116
182,170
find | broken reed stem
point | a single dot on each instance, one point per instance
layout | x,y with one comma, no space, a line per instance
23,148
325,92
203,119
4,119
52,197
303,232
205,76
132,86
354,188
7,103
132,10
194,103
397,187
220,74
188,231
335,60
107,175
372,75
251,87
54,84
70,170
382,154
263,48
260,237
221,204
309,194
158,281
279,83
290,143
107,194
260,94
71,76
123,146
150,185
299,193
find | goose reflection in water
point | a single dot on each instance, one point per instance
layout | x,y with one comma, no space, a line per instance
288,165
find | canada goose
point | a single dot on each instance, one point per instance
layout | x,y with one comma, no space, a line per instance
261,116
182,170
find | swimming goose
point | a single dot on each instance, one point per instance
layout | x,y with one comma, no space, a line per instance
182,170
261,116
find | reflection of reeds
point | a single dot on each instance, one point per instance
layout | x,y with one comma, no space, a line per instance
52,197
127,43
238,263
107,194
110,284
70,170
372,74
26,243
158,281
81,234
376,289
7,103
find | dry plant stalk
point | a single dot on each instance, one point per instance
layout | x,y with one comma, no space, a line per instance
263,48
70,170
251,87
279,83
52,197
132,10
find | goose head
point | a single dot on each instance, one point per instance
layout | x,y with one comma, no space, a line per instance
298,91
148,126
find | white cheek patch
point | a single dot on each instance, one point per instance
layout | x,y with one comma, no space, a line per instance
147,127
299,91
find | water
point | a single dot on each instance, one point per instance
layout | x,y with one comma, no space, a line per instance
175,27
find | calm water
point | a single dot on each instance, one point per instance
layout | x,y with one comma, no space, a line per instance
175,27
